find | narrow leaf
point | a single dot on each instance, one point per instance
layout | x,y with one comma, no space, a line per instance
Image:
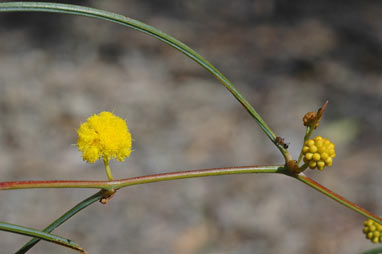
41,235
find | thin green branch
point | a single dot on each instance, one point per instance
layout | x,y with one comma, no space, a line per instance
139,26
41,235
310,182
117,184
111,186
106,185
66,216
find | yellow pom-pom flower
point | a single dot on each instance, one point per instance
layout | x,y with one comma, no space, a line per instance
373,231
318,152
104,135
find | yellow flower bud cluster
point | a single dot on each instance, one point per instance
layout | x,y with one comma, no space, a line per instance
318,152
104,135
373,231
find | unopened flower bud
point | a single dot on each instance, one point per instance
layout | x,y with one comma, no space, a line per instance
318,152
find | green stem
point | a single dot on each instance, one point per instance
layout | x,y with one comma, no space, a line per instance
199,173
117,184
139,26
306,137
41,235
303,167
310,182
66,216
108,170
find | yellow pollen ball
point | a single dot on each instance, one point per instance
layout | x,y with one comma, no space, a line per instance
104,135
313,149
316,157
312,164
320,165
319,143
309,156
324,156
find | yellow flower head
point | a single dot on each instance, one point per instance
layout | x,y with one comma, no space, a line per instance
373,231
104,135
318,152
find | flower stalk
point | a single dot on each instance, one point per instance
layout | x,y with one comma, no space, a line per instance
108,170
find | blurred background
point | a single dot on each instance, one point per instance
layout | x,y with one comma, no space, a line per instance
285,57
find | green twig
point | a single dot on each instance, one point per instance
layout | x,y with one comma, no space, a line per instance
83,204
41,235
306,137
108,170
117,184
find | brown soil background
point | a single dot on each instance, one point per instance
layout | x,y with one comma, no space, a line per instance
286,58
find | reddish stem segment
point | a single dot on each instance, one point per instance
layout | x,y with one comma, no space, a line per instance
53,184
303,178
117,184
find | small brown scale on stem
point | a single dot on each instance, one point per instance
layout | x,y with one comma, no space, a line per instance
107,196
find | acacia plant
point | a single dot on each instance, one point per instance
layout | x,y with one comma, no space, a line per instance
106,136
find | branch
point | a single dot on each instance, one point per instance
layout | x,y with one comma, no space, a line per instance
117,184
112,186
315,185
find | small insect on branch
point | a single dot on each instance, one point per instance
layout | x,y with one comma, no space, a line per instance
280,141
